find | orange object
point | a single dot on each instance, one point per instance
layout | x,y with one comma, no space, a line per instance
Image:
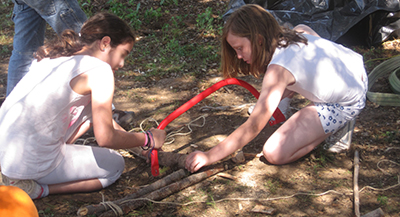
14,202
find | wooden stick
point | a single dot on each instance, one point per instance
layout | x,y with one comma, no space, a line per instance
130,205
227,176
355,190
99,208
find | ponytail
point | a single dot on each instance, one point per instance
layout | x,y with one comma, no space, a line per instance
66,44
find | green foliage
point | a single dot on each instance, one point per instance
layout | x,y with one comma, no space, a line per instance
6,15
46,213
383,200
176,52
177,21
323,157
205,20
212,202
272,186
87,7
135,213
152,15
390,135
163,170
128,11
168,2
4,50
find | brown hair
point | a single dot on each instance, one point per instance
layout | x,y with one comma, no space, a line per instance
252,21
98,26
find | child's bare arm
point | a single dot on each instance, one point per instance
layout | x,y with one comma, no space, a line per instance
274,85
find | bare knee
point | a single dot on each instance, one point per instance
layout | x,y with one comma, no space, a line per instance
274,157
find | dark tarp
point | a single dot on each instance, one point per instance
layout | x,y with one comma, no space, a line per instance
350,22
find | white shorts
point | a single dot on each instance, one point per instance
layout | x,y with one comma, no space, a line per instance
82,162
334,116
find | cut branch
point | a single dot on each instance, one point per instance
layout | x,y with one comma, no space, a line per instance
355,190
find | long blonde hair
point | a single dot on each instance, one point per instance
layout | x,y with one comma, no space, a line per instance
252,21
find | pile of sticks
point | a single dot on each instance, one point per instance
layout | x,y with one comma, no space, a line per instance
180,180
156,191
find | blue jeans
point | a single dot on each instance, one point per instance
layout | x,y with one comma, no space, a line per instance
30,18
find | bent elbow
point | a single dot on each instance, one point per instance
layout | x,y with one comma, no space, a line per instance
104,141
104,145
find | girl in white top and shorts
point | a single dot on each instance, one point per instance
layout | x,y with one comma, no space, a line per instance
330,76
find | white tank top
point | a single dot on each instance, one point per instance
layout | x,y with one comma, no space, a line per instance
324,71
36,115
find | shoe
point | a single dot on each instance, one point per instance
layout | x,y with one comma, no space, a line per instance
124,118
341,140
32,188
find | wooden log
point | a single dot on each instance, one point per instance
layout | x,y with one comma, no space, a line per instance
355,183
173,160
376,213
167,159
99,208
130,205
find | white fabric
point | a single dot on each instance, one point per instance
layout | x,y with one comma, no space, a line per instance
84,162
324,71
36,116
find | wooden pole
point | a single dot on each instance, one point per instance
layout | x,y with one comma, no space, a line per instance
355,180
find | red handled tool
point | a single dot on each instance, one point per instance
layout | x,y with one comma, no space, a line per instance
279,117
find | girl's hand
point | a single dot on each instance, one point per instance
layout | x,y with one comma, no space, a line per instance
196,160
159,137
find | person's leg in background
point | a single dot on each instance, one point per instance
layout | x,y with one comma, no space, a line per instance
30,18
60,14
29,35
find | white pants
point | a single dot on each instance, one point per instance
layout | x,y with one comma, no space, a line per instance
87,162
83,162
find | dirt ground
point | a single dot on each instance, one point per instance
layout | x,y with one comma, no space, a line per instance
319,184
